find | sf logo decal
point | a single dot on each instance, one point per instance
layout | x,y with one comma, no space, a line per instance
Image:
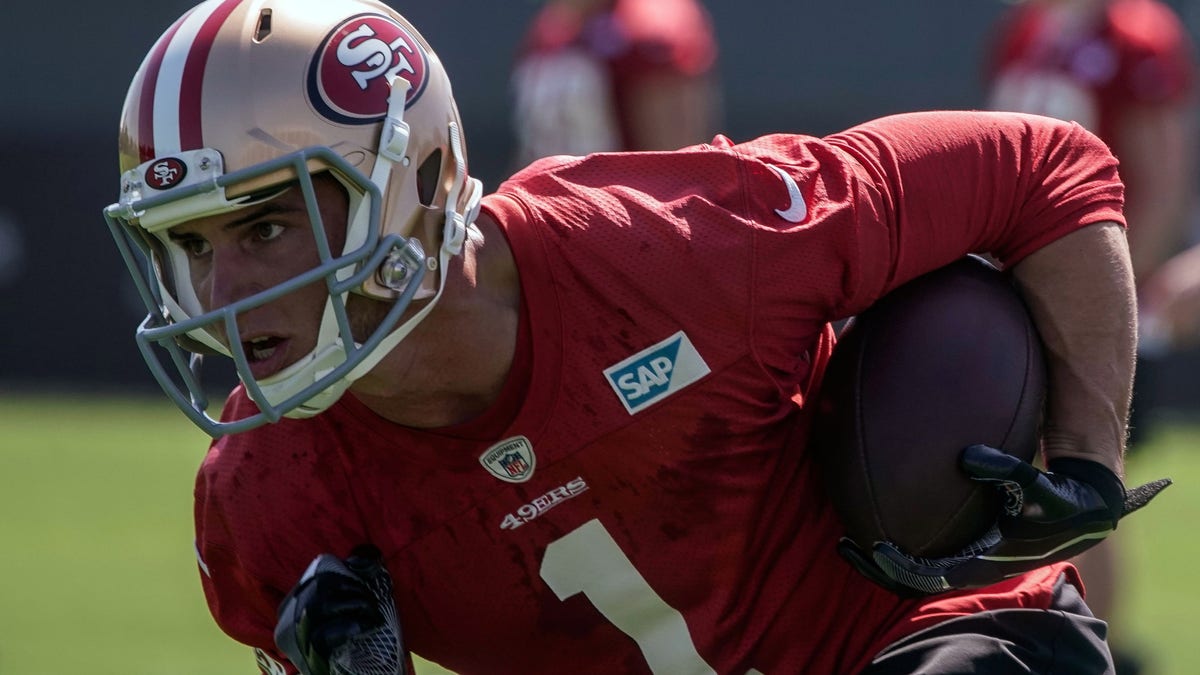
351,74
165,173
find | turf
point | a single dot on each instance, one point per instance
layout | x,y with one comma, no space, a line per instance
98,575
1159,552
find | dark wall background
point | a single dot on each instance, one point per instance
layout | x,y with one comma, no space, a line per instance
68,311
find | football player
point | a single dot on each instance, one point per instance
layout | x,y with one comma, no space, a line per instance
1171,298
1126,70
604,75
563,427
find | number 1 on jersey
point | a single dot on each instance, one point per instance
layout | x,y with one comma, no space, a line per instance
587,560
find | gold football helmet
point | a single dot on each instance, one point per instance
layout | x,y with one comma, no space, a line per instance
242,99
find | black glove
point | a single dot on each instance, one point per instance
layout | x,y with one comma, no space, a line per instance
340,619
1047,517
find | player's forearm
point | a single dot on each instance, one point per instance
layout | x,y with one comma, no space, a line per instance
1081,293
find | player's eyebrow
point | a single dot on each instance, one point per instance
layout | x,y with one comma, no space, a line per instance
270,208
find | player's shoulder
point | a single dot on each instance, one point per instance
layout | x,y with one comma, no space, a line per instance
719,178
542,166
605,174
273,453
609,170
941,129
258,483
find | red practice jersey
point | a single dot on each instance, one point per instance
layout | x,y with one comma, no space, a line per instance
640,498
574,74
1136,54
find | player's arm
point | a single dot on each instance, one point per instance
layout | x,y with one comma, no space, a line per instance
1079,285
1044,197
1080,292
951,183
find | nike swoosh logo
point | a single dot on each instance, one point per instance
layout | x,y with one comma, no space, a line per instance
798,210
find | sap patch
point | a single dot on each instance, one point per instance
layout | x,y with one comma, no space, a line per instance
656,372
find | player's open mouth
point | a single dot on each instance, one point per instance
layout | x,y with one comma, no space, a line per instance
265,354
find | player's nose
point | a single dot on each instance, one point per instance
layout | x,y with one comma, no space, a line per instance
232,276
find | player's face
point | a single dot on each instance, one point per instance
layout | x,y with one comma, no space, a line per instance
235,255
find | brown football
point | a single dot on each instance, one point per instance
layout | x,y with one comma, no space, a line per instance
948,360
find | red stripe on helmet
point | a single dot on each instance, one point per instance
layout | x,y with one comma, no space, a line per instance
145,131
192,85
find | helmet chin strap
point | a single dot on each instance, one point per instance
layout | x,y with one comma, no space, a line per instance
454,233
393,143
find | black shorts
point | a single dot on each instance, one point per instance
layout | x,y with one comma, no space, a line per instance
1066,639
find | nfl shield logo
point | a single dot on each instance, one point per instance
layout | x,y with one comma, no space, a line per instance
511,460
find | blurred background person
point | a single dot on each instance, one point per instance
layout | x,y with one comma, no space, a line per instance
1170,302
606,75
1124,69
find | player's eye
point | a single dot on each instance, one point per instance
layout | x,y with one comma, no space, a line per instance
266,231
195,247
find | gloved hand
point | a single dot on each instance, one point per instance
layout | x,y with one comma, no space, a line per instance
1048,517
340,619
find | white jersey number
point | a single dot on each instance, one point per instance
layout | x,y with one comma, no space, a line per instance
588,560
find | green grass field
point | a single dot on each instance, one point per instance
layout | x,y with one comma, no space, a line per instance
98,575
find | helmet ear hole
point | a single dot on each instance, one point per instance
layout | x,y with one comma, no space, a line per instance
263,31
428,177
